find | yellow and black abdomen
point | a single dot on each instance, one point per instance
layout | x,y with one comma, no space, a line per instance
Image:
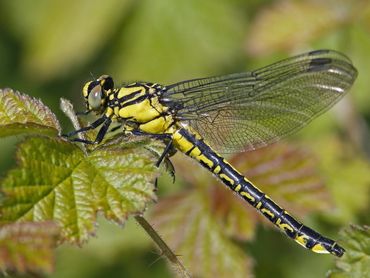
194,146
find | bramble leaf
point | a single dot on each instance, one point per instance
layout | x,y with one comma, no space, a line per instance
20,113
356,261
27,247
55,181
188,226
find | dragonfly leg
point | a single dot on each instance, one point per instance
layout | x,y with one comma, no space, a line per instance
115,128
103,130
166,138
94,125
168,151
165,152
83,113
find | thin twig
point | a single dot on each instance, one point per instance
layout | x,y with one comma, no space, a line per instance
67,107
166,251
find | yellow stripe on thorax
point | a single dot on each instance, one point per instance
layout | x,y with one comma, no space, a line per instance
158,125
124,91
143,111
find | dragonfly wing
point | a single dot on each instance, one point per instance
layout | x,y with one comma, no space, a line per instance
246,111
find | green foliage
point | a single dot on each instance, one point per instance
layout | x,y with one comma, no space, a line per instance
23,114
56,181
27,247
206,219
187,223
356,262
208,31
49,51
287,19
347,177
49,48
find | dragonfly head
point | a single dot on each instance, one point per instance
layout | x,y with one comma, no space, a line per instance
95,93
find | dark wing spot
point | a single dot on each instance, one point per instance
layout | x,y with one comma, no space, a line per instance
319,64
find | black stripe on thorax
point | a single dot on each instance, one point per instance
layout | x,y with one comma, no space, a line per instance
127,97
136,100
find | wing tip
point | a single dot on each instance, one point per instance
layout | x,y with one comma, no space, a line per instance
323,60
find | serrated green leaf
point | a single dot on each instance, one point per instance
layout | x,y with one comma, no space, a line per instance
286,24
20,113
356,261
27,247
180,37
188,226
55,181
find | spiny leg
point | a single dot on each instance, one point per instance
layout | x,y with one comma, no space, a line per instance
164,137
103,130
169,150
94,125
165,152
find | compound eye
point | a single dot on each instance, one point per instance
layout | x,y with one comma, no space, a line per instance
108,83
95,98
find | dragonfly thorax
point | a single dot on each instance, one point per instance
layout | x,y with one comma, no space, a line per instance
136,105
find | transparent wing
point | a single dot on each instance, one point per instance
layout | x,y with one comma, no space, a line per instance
245,111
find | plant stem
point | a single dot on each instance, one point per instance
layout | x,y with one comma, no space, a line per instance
166,251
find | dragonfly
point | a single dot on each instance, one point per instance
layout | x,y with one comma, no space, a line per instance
237,112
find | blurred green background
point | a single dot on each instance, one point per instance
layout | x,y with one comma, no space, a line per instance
49,49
